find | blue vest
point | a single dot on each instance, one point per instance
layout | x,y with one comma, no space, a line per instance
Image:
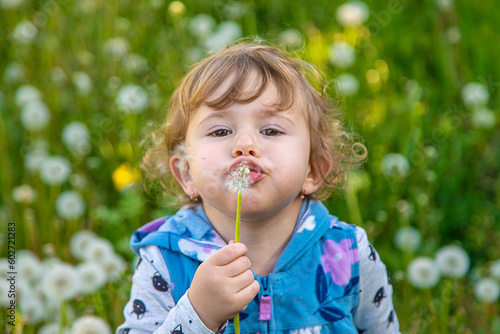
314,284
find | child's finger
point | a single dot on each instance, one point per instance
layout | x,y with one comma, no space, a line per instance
228,254
238,266
248,293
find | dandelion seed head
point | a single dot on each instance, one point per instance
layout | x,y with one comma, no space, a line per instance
92,275
99,250
90,325
54,170
60,282
239,181
28,265
352,13
70,205
495,269
453,261
32,309
79,243
341,54
475,94
487,290
114,266
35,115
24,194
408,238
423,272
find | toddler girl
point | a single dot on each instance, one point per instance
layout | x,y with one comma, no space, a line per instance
297,269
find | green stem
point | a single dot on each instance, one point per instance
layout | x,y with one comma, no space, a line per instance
237,239
238,216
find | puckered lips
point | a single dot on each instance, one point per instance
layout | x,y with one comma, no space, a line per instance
257,173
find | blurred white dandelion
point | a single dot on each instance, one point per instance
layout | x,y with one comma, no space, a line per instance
201,25
453,35
90,325
116,48
453,261
98,250
114,266
60,282
54,170
352,13
10,4
24,32
32,309
227,32
24,194
82,82
14,72
291,38
92,277
395,165
341,55
423,272
52,328
132,99
57,75
483,118
475,94
75,136
495,269
135,63
70,205
234,10
408,238
29,266
26,93
347,84
80,242
487,290
33,159
35,115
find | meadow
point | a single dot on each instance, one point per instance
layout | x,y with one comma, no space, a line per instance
83,84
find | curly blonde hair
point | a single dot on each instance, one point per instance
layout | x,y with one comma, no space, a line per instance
330,141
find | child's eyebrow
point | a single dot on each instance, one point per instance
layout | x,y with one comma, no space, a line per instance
263,113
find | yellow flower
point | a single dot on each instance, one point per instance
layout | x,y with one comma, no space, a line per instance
124,176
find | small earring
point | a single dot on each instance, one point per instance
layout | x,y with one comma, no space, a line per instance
193,197
302,194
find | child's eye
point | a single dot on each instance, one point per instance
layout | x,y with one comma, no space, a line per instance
221,133
270,132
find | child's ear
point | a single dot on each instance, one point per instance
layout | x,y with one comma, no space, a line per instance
180,169
314,177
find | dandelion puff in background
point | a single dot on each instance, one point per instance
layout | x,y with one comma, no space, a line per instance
24,194
80,242
60,282
32,309
423,272
70,205
408,238
25,94
92,276
75,136
29,266
475,94
52,328
487,290
113,266
495,269
132,99
35,115
453,261
395,165
10,4
82,82
24,32
347,84
341,55
483,118
54,170
90,325
98,250
201,25
352,13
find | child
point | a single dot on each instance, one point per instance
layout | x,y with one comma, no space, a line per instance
297,269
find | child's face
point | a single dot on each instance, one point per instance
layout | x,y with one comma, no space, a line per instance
274,144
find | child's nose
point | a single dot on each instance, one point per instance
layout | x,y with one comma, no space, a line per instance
245,145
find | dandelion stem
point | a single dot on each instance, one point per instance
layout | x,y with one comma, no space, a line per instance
238,218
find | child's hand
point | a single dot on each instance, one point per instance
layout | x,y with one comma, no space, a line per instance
223,285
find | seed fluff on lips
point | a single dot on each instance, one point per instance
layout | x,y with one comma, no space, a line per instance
239,180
